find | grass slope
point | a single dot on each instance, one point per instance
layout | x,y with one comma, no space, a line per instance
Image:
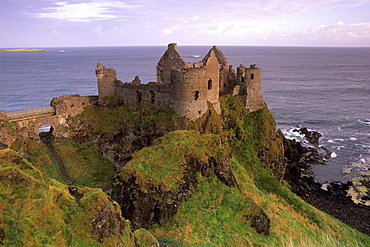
38,211
218,215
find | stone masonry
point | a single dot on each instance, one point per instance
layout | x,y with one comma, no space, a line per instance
186,87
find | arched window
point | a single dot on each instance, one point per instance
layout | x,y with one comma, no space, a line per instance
209,84
152,96
139,96
196,95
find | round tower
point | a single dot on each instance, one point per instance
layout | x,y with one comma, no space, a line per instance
189,92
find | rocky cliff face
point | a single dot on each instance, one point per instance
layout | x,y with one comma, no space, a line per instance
215,180
145,204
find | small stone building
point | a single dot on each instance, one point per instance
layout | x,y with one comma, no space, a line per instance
186,87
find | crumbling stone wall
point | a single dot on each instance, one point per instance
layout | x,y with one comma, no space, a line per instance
249,80
171,59
71,104
106,80
143,94
187,87
65,107
227,75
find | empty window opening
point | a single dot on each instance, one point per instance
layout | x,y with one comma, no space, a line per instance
196,95
72,105
139,96
243,78
152,96
209,84
252,76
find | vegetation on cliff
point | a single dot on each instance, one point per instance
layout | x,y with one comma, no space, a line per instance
213,182
38,211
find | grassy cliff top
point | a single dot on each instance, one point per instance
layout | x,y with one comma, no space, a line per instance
37,210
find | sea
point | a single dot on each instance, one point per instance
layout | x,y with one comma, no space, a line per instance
319,88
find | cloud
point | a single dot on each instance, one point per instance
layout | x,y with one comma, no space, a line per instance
55,33
340,32
84,11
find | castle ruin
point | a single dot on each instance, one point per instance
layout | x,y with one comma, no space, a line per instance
187,88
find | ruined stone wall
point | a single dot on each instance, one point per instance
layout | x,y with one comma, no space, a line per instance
213,78
151,93
227,79
171,59
71,104
3,116
249,80
106,80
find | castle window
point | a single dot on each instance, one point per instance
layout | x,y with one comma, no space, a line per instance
196,95
252,76
139,96
243,78
152,96
209,84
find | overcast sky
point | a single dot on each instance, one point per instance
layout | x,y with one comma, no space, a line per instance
49,23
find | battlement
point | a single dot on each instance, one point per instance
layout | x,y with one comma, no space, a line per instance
187,87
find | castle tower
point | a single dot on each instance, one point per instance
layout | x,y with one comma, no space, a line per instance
249,82
106,80
171,59
227,76
213,78
189,92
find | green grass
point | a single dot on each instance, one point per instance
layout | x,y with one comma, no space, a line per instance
119,117
162,164
85,163
39,211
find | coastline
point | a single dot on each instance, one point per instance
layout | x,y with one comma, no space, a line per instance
23,50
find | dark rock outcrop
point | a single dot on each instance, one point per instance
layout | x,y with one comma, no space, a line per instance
150,204
334,200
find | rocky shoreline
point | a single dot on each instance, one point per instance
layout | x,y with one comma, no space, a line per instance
334,199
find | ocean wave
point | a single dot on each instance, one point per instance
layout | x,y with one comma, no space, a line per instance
365,122
292,134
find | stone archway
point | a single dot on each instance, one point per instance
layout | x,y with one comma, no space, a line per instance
45,132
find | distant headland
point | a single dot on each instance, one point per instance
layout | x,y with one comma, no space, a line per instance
22,50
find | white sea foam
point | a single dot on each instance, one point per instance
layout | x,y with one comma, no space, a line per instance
364,122
333,155
353,138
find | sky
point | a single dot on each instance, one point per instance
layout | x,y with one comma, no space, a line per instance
49,23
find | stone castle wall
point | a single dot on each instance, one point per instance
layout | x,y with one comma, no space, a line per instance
171,59
187,87
142,94
106,80
250,81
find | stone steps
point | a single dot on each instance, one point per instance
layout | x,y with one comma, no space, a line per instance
60,163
